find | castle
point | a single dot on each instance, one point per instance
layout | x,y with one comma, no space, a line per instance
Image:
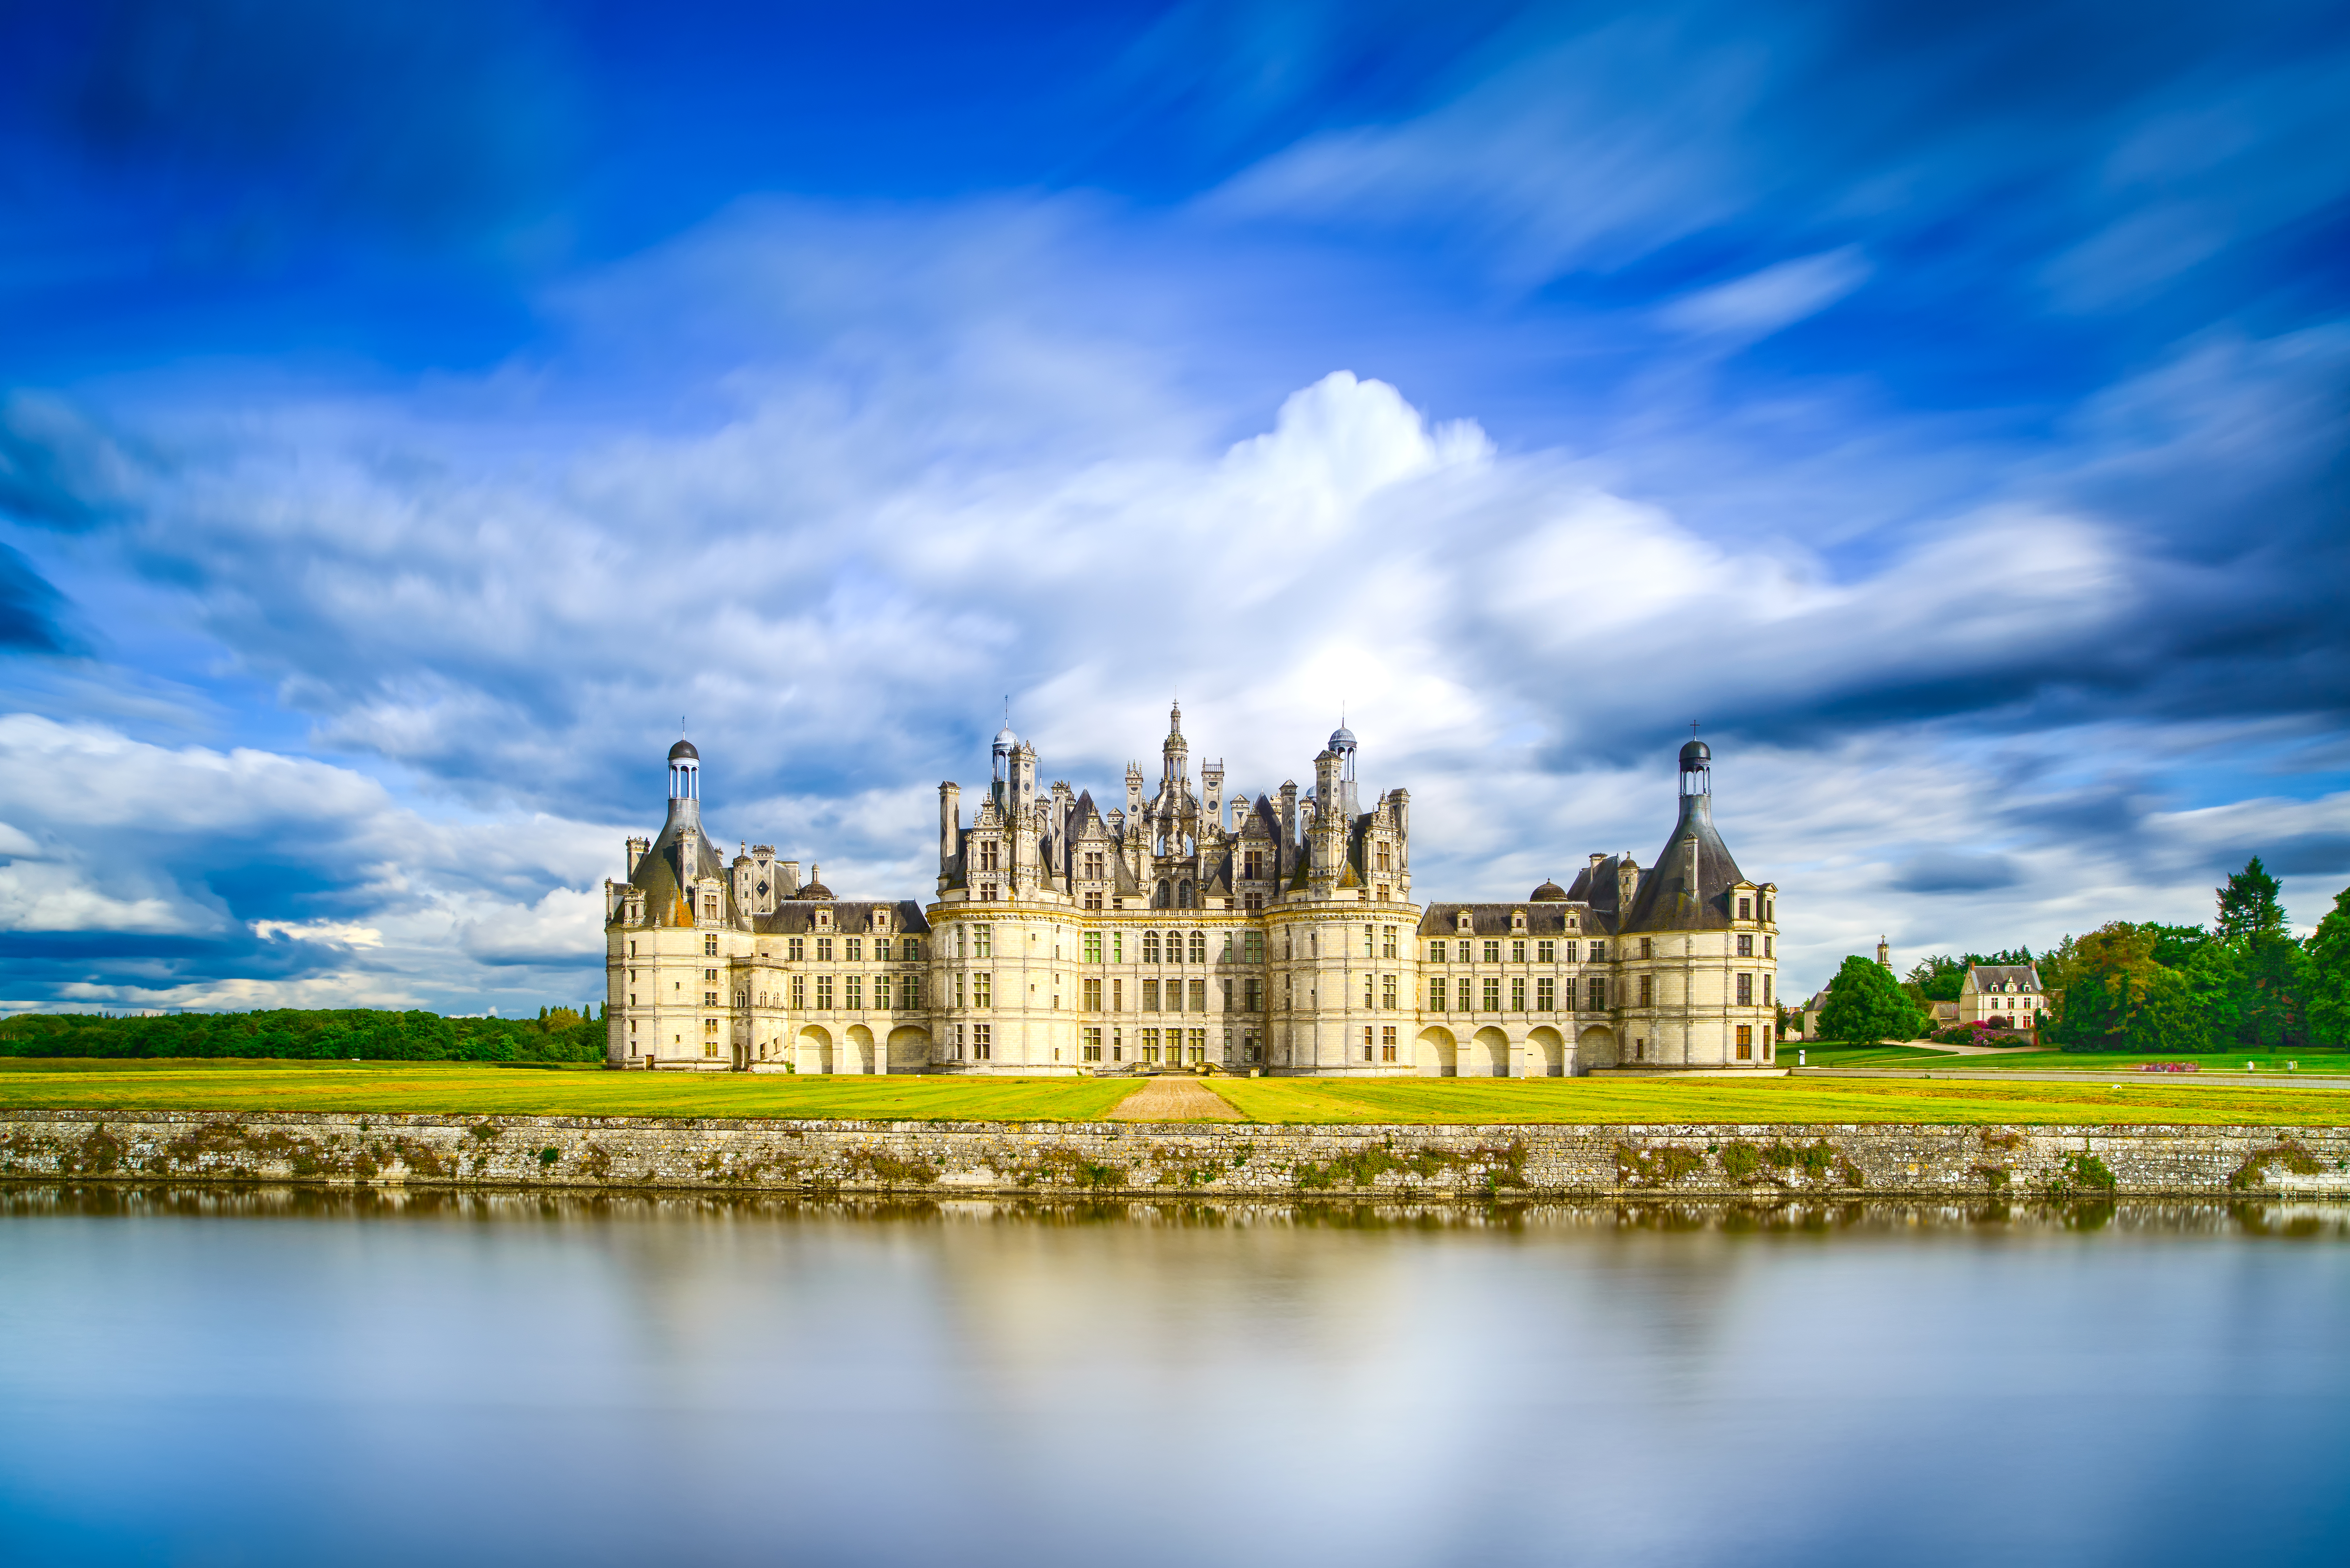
1185,929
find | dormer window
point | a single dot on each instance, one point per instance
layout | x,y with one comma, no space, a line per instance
1517,919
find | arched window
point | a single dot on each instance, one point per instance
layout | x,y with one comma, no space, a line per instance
1183,896
1159,899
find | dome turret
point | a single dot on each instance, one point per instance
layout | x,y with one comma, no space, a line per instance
684,749
1549,893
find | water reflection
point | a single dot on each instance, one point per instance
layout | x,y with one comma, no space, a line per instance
276,1375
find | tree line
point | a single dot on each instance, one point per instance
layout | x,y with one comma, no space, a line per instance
556,1035
2243,983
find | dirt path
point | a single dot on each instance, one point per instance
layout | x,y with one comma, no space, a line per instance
1175,1100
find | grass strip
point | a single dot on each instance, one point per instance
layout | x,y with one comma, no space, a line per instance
471,1089
1780,1101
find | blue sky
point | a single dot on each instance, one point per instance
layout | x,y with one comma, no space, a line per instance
407,413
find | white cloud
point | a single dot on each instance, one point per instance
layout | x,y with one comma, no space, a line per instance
1762,302
326,933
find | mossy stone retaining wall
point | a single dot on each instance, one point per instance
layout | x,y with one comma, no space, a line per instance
1147,1160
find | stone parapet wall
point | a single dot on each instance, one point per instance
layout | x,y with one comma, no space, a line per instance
1162,1160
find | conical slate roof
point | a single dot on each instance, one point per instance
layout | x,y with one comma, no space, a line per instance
1688,888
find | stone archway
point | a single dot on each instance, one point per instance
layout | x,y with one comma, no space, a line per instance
859,1056
1545,1053
910,1049
1595,1047
1492,1053
1439,1055
815,1054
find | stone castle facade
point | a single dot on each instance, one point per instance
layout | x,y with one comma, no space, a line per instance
1185,929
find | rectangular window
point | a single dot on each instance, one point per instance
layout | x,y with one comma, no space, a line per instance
910,991
1091,998
795,948
1766,947
1198,946
1371,949
1387,1044
1745,946
824,992
853,992
1647,948
708,998
982,990
1150,947
1437,951
1118,996
1254,991
1198,996
1599,952
799,991
1547,952
823,949
1150,995
1546,994
882,948
852,948
1518,953
1150,1044
983,1041
1253,947
985,937
1766,991
1435,989
958,990
1092,1046
1566,952
1117,947
1198,1046
1745,909
1387,941
1745,991
1493,952
1518,994
1093,947
1388,991
1598,993
1461,951
1366,1042
881,991
1494,995
1647,990
1746,1041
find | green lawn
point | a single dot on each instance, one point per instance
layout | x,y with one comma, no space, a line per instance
1865,1056
1773,1100
2105,1061
483,1090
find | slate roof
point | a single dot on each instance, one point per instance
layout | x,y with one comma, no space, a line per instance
851,917
1992,976
681,857
1687,887
1544,919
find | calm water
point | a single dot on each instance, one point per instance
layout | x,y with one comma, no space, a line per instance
274,1378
